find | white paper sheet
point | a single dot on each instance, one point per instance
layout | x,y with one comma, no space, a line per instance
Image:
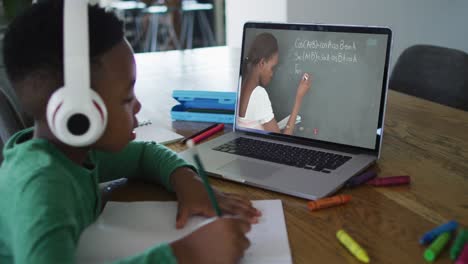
126,229
153,132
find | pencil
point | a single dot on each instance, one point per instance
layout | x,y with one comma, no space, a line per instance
208,133
201,172
198,133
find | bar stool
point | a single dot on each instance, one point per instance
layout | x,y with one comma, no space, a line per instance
156,13
131,13
189,10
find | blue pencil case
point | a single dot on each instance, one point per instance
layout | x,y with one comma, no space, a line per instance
204,106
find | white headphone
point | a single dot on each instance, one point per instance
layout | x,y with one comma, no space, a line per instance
76,114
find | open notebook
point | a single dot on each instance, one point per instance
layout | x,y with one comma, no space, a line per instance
149,131
126,229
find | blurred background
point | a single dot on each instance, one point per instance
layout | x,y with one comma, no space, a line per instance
155,25
159,25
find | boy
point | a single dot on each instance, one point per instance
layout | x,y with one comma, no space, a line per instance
49,191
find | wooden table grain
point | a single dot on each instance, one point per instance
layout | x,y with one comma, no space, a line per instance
422,139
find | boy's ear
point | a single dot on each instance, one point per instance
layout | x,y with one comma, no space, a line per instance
262,62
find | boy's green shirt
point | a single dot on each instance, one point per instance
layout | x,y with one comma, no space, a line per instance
46,200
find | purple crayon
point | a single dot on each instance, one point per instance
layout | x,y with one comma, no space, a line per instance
360,179
463,258
390,181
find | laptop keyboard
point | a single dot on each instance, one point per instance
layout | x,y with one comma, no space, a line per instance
284,154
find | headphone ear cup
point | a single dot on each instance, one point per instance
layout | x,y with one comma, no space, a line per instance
76,121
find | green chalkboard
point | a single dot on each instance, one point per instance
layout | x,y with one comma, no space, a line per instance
347,71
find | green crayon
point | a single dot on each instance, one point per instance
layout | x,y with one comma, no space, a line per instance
436,247
457,246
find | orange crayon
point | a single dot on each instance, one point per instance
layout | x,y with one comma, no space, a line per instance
328,202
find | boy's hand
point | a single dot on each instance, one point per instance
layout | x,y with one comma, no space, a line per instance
194,200
221,241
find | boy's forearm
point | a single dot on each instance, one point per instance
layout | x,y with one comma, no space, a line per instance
155,163
183,177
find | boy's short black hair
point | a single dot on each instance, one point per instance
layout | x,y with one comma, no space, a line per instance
33,48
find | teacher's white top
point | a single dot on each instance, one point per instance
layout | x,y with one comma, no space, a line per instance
259,110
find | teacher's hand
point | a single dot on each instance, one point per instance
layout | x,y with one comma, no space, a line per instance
304,85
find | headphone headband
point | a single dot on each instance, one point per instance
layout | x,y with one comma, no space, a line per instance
76,48
76,114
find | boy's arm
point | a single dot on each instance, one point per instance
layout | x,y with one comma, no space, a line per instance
45,228
144,160
159,254
48,220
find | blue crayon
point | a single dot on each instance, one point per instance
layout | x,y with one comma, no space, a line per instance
431,235
360,179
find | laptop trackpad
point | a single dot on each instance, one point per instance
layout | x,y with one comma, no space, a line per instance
245,168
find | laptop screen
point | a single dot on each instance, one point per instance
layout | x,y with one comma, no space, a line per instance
314,82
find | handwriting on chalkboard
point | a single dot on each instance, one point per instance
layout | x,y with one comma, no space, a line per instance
340,52
315,44
317,57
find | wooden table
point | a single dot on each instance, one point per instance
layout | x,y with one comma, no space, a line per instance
422,139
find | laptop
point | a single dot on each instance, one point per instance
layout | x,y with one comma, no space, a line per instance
326,85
